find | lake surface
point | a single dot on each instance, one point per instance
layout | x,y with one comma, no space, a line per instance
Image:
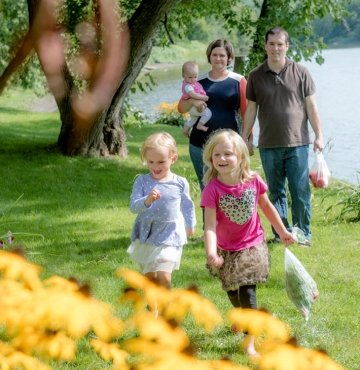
338,97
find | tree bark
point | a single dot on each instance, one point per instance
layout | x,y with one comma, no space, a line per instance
107,136
258,42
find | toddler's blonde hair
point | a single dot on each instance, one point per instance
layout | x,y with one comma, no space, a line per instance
156,141
240,148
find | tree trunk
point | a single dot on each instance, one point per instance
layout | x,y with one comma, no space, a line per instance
107,135
258,41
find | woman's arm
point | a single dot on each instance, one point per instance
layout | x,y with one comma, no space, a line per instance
198,96
185,105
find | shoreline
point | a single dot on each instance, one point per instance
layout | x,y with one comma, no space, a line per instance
160,66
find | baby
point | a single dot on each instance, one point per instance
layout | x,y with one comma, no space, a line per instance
192,89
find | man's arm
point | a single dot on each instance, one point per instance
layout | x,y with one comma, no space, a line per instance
315,122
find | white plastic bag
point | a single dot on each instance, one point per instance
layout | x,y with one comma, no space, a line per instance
300,286
319,172
298,235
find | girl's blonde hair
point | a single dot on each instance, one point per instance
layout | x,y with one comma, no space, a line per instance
156,141
240,149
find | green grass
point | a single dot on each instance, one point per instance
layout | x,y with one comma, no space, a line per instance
79,206
189,51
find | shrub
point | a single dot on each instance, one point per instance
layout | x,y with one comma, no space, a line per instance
168,115
348,201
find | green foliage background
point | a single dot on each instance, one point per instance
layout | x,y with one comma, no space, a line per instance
203,21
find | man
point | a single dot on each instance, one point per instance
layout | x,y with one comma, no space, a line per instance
282,93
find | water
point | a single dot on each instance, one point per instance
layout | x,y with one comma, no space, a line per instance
338,97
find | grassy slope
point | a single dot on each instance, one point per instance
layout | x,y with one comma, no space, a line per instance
80,207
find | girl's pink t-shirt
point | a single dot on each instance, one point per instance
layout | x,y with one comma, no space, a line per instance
238,222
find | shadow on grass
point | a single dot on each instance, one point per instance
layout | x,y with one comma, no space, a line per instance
79,205
8,110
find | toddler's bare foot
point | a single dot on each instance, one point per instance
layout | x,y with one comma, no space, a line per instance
202,127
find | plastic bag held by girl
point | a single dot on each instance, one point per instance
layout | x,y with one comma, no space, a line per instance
319,172
300,286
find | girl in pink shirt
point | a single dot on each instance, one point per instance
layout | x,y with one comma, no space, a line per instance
234,238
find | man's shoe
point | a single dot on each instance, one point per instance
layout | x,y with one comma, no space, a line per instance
305,243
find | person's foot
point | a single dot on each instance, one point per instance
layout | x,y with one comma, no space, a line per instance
249,347
305,243
201,127
251,352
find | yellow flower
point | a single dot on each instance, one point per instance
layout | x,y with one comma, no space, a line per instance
177,361
159,357
225,365
159,331
155,296
12,359
15,267
288,356
148,349
64,285
283,357
173,303
111,352
56,345
83,314
77,314
183,301
169,108
257,322
13,297
134,278
319,360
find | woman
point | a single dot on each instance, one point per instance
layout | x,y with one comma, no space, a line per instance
227,100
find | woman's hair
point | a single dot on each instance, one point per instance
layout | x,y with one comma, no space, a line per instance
240,149
156,141
221,43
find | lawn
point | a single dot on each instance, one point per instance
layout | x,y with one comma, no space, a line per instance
71,216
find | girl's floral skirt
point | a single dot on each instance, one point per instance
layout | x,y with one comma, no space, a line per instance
245,267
